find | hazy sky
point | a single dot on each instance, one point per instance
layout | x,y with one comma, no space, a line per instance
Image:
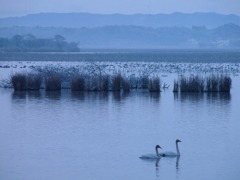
23,7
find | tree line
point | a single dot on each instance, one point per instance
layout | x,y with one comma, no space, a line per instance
29,43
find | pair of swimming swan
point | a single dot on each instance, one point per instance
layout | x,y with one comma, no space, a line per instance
164,154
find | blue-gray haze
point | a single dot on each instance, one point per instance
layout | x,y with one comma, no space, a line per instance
177,30
17,8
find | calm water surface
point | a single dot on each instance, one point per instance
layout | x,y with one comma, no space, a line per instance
193,56
101,135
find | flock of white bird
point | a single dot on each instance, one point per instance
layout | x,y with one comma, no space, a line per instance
159,155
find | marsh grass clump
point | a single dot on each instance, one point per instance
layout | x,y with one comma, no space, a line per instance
133,82
93,83
53,83
144,81
212,84
126,85
19,81
34,81
104,83
154,84
191,84
78,83
225,84
196,84
219,83
116,82
22,81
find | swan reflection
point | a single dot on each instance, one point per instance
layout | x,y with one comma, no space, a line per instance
177,162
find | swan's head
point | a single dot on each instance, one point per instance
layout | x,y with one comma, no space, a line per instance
157,146
177,141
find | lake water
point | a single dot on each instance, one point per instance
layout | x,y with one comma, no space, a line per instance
193,56
101,135
91,135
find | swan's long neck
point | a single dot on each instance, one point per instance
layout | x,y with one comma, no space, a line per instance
178,152
157,153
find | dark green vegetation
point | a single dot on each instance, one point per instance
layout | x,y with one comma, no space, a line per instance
213,83
29,43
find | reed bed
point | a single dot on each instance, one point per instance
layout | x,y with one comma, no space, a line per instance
154,84
213,83
53,83
34,81
117,82
192,84
22,81
126,86
104,83
19,81
219,83
78,83
144,82
225,84
101,81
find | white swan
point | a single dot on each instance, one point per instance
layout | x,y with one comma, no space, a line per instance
172,154
152,156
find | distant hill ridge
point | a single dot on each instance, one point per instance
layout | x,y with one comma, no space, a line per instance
78,20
